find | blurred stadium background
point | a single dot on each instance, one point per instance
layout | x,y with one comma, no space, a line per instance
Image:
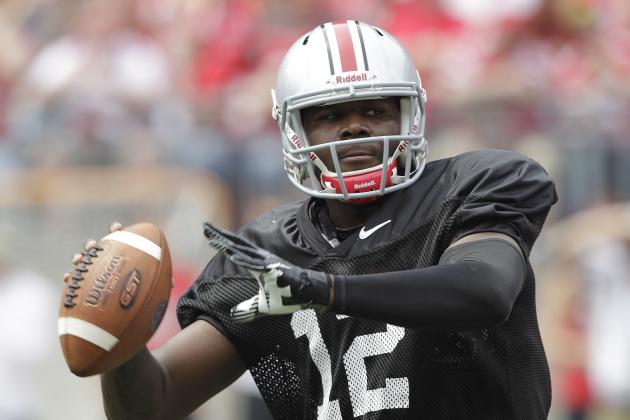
159,110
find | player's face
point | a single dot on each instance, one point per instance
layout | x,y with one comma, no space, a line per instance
350,120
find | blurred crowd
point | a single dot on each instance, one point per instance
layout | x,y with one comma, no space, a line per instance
185,83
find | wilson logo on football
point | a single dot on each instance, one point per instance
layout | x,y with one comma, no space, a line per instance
130,289
104,283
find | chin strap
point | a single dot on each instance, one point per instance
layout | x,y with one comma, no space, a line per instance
363,182
366,179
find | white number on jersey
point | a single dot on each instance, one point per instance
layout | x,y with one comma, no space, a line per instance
395,394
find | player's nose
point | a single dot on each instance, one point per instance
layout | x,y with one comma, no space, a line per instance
354,125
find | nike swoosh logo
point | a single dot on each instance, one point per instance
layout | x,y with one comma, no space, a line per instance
366,233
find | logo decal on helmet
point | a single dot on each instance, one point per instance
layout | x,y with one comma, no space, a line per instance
366,184
352,78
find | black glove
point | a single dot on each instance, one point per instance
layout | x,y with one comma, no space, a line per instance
284,288
307,286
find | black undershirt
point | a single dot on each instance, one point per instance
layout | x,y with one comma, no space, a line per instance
474,285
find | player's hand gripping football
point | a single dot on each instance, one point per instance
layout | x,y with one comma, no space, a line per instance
114,298
91,245
283,287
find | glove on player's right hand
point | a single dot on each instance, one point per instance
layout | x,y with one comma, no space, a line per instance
283,287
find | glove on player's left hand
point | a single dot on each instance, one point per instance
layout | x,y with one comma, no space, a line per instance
283,287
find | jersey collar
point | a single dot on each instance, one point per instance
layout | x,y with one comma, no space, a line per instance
320,233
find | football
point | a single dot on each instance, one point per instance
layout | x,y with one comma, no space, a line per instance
114,299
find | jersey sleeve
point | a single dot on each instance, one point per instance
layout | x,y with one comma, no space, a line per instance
217,289
505,192
222,285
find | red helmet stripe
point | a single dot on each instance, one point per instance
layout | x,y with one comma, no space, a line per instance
346,47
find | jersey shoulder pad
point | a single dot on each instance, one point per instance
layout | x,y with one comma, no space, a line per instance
500,173
267,229
501,191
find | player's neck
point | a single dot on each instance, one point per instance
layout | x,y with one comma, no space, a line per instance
348,216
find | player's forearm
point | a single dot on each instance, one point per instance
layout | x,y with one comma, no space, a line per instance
476,290
425,298
136,390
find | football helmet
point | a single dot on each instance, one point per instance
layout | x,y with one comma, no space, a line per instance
348,61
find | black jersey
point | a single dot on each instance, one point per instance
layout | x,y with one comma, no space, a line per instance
310,365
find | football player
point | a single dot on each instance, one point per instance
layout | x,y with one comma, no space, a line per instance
399,289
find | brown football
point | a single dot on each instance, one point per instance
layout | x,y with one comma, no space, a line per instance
115,299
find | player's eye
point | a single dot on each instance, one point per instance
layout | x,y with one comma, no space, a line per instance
327,116
374,112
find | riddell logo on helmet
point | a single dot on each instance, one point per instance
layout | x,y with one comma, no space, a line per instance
350,78
364,184
296,141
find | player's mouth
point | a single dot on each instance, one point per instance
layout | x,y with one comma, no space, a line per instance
357,162
356,158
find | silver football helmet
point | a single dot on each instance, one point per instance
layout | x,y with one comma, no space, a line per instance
349,61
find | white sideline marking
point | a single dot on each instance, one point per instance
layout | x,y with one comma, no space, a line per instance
136,241
87,331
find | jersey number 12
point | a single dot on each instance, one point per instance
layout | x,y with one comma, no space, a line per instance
395,394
